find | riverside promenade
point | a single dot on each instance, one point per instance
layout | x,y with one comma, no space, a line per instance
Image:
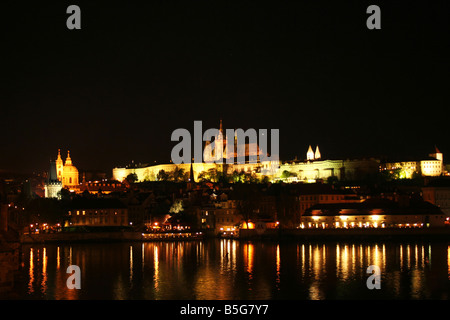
381,234
106,237
435,233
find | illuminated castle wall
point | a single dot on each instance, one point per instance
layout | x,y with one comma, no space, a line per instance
432,166
311,170
259,168
314,168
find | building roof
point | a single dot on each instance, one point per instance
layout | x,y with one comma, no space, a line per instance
373,206
96,203
441,182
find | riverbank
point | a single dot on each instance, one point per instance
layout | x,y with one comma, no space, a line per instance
248,234
442,233
106,236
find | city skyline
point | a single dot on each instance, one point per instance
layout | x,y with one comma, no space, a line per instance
114,91
206,154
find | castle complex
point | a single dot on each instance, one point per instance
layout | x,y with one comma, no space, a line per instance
313,169
215,158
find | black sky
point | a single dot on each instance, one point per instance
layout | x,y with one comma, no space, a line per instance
115,90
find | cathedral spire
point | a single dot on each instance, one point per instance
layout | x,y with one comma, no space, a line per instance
317,153
310,154
191,174
68,159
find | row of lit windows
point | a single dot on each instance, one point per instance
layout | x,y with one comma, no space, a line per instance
101,212
100,220
223,220
322,197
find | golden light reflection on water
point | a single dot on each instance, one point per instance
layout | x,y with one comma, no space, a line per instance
131,264
31,272
156,266
278,264
44,270
231,269
248,259
448,262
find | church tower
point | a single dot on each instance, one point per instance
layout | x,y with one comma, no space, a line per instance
317,153
59,166
53,186
310,154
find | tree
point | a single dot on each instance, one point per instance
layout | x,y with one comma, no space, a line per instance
162,175
202,176
176,207
332,180
286,174
178,175
265,180
211,175
132,178
238,176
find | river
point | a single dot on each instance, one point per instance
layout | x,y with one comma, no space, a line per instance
231,269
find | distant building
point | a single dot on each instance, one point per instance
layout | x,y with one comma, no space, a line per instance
223,217
210,154
322,194
316,169
373,213
103,186
97,212
52,187
67,173
437,192
431,166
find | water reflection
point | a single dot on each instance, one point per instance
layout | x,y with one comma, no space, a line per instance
229,269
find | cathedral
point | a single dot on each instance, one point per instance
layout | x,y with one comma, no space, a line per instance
61,175
67,173
218,150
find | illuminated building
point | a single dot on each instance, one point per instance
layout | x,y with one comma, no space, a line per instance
373,213
66,172
323,194
311,170
432,166
259,168
70,174
314,169
223,217
310,155
97,212
437,192
103,186
53,186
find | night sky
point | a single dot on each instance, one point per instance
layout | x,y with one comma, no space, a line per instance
115,90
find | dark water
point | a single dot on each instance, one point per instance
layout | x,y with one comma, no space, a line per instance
229,269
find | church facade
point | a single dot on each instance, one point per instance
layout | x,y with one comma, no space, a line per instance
66,172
